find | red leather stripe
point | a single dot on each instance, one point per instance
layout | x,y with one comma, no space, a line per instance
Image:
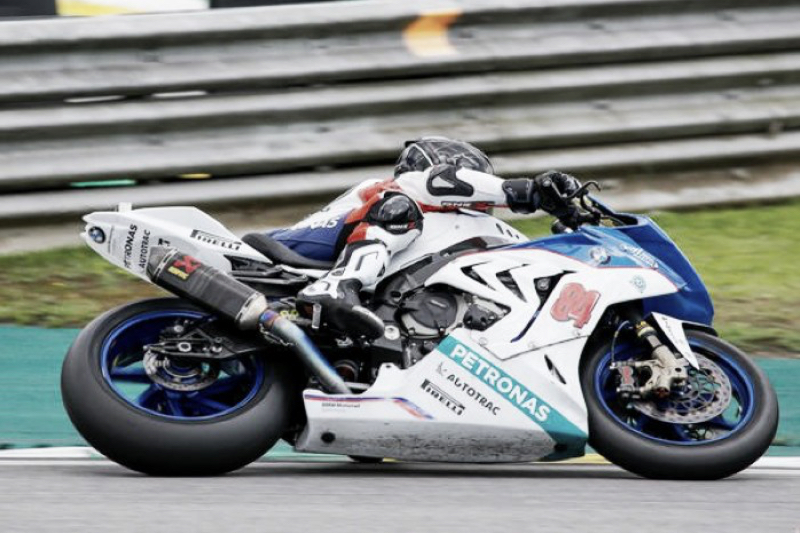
359,234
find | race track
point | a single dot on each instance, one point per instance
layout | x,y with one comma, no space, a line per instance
95,495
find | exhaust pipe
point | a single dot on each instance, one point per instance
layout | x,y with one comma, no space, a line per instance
185,276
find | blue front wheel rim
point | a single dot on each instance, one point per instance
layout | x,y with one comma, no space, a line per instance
239,380
724,426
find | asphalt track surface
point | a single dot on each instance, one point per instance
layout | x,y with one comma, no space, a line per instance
95,495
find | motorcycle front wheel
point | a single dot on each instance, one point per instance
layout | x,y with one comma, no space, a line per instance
193,418
720,422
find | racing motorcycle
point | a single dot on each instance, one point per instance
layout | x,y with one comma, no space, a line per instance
495,349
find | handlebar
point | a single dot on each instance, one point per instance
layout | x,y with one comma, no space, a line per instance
576,210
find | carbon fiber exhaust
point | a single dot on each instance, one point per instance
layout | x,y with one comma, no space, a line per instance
185,276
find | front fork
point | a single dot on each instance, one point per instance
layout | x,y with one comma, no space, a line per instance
665,368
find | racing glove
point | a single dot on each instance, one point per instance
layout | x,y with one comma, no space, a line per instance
554,192
548,191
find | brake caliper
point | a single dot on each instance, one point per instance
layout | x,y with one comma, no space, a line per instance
665,369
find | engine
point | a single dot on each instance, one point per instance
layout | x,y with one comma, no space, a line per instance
417,318
430,314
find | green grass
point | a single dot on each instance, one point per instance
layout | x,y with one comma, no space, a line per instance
749,258
65,287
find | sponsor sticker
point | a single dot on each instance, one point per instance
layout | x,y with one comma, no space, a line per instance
469,390
514,392
639,283
639,254
317,223
144,249
333,405
184,267
128,248
444,398
216,240
289,314
351,403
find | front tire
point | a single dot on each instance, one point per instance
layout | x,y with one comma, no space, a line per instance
660,450
164,432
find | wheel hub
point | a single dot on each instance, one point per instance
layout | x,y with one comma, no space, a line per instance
705,394
179,374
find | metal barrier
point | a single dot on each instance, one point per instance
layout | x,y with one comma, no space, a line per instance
313,98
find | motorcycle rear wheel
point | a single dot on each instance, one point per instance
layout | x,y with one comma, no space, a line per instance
657,449
159,431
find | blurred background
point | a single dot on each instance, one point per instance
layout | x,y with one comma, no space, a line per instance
687,110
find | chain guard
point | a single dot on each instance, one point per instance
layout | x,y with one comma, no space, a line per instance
705,395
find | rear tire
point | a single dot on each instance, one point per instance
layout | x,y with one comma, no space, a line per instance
625,447
159,445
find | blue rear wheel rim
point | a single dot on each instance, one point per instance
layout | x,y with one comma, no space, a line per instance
724,426
121,356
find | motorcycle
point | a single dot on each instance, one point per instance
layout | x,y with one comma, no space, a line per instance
495,349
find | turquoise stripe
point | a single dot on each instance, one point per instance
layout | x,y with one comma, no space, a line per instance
522,398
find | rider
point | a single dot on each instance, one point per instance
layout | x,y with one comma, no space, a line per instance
368,225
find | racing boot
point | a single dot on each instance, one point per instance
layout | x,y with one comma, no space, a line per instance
336,304
334,300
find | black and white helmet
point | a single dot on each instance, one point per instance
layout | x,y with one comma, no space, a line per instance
426,152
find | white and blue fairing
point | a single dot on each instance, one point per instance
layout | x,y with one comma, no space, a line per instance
640,244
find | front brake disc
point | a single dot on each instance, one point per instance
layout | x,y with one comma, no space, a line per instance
705,394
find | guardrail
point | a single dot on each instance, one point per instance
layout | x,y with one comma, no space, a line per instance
310,99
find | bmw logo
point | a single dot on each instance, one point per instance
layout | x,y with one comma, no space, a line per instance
599,255
97,235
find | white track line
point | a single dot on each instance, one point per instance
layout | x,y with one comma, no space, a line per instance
86,455
772,462
71,452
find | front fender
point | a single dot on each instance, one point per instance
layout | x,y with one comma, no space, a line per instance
674,329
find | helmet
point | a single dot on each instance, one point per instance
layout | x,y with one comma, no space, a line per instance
425,152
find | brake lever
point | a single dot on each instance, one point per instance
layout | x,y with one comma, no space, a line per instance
583,189
579,213
573,203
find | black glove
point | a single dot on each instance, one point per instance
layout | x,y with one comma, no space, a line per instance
554,190
546,191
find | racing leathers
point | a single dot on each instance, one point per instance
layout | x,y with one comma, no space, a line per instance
365,227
